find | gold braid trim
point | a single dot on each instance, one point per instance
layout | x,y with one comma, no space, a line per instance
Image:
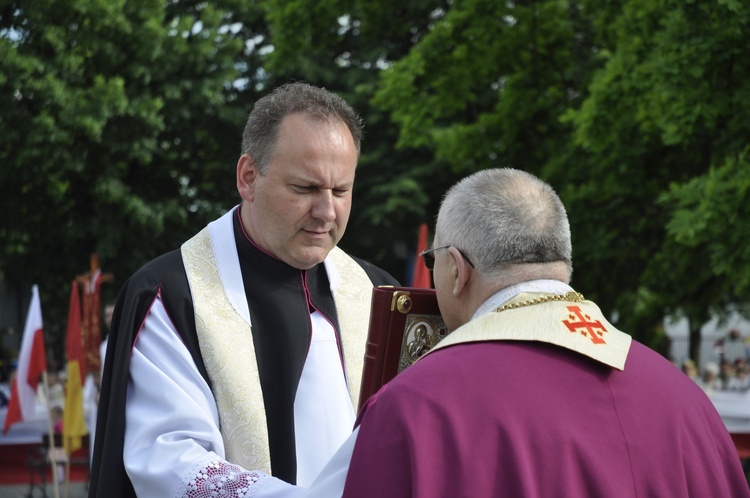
575,297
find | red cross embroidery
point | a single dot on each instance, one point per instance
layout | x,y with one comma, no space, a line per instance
582,323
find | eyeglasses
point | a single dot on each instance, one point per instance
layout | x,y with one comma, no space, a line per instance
429,258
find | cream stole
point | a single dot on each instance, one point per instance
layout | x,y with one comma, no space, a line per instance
223,326
578,326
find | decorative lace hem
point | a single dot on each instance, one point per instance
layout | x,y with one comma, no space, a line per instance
214,477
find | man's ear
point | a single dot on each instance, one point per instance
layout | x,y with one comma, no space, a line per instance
460,271
247,173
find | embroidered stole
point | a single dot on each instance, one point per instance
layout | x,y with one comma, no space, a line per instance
578,326
226,344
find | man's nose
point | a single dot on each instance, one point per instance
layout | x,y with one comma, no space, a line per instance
323,208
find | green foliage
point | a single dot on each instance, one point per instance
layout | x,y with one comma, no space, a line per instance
122,120
612,103
711,215
666,106
486,85
115,119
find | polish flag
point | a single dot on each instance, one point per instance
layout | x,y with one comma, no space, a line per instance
32,363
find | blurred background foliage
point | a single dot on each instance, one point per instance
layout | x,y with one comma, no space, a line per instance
120,126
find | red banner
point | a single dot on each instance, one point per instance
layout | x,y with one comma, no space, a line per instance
422,277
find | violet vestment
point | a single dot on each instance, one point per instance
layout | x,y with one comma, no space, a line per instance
522,417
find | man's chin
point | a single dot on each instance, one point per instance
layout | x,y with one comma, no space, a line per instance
312,256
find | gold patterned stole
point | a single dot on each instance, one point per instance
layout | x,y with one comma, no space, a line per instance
353,297
565,320
226,344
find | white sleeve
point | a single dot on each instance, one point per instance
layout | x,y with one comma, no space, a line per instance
173,446
330,482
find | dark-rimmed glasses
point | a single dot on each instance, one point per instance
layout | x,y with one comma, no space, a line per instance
429,257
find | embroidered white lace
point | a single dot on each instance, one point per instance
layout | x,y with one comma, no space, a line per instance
223,479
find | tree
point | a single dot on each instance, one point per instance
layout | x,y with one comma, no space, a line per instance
120,122
611,103
709,232
121,118
668,106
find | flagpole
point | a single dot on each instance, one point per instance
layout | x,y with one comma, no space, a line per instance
51,439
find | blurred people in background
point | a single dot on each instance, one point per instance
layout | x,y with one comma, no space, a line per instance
57,419
740,380
55,392
726,372
689,369
710,381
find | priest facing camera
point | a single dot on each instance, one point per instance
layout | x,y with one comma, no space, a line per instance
239,355
534,392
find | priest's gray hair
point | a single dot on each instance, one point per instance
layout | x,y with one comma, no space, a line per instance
264,121
505,219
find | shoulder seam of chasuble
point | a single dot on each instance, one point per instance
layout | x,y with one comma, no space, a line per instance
352,294
226,344
574,324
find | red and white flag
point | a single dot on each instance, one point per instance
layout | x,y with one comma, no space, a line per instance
422,277
32,363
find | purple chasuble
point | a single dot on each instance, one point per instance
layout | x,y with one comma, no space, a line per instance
529,419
